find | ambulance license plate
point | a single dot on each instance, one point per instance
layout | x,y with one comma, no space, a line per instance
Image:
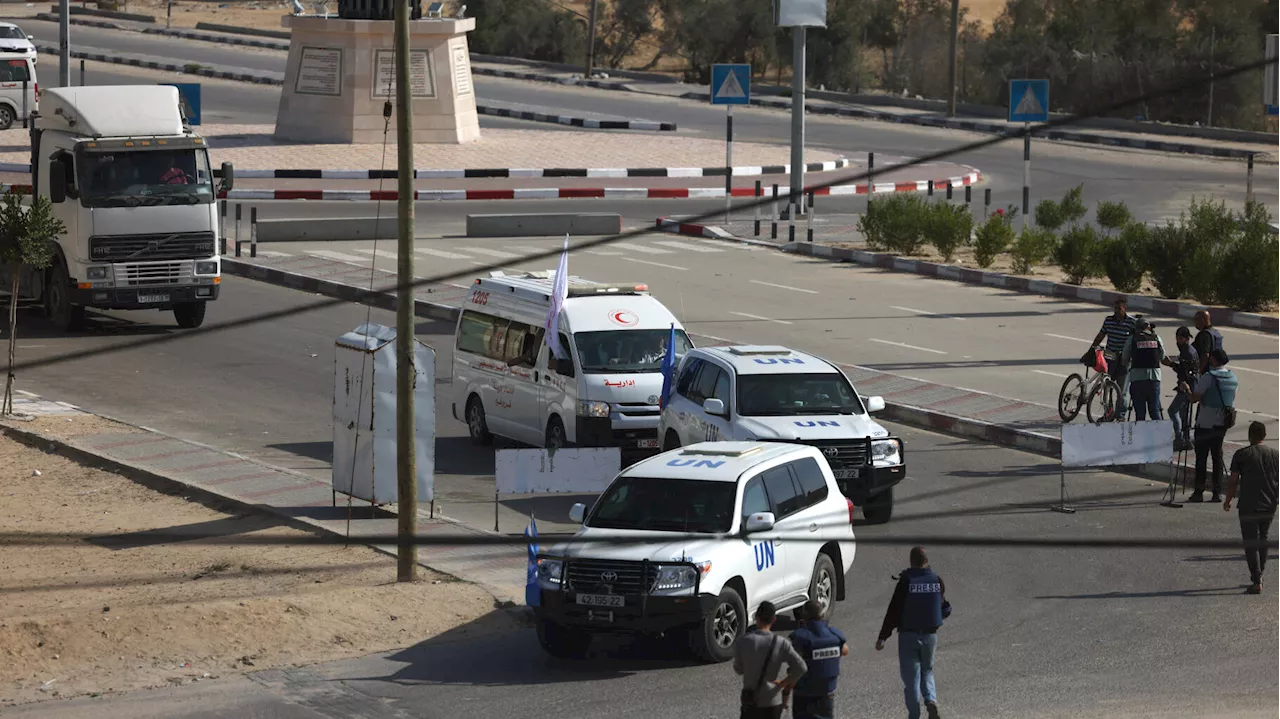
647,443
601,600
846,473
153,297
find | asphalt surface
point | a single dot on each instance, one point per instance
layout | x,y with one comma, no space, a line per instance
1035,633
1155,185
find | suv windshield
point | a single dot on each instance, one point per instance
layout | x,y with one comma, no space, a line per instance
765,395
615,351
666,505
146,177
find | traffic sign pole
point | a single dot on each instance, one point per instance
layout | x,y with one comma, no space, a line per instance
1028,103
728,163
730,85
1026,173
797,118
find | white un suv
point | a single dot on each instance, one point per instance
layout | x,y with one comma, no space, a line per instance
767,523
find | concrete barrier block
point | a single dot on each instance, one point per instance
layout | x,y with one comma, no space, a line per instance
543,225
328,228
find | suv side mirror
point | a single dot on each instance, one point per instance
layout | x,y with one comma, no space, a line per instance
715,407
758,522
57,182
875,404
578,513
228,178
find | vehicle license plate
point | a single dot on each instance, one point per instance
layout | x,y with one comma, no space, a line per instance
601,600
647,443
846,473
153,297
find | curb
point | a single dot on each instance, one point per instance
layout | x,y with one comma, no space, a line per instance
577,121
166,67
221,39
510,172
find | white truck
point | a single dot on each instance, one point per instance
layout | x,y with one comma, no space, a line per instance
132,183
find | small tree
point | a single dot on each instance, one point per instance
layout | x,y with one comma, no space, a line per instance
948,227
1034,246
1123,257
1071,207
1078,254
994,236
1247,276
1113,216
27,240
1048,215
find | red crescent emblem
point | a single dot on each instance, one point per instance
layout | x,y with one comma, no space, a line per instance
624,317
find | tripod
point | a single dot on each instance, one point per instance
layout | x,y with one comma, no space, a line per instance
1062,507
1179,469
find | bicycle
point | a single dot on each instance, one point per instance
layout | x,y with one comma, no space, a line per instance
1086,391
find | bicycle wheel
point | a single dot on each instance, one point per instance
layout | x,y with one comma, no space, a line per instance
1102,402
1069,397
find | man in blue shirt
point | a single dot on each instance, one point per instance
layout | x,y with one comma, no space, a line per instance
1117,328
1215,391
917,609
821,646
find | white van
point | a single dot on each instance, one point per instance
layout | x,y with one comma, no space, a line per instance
605,394
15,69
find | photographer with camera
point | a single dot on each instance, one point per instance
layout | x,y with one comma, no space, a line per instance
1187,366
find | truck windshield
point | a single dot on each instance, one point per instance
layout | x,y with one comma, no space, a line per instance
146,177
615,351
777,395
666,505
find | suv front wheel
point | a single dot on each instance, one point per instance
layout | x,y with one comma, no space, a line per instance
879,508
562,642
714,639
822,585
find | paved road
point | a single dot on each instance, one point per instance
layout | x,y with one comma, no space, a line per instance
1155,185
1036,633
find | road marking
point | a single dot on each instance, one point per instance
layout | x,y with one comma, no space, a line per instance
692,246
441,254
493,253
785,287
1051,374
339,256
530,249
604,253
640,248
1261,414
272,253
1259,371
1064,337
926,312
658,264
764,319
381,253
910,347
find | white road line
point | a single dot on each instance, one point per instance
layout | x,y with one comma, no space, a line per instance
658,264
786,287
339,256
1258,371
926,312
441,254
758,317
910,347
530,249
691,246
1260,414
1064,337
641,248
493,253
385,254
603,253
1051,374
273,253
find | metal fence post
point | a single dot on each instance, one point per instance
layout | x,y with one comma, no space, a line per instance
930,188
237,238
968,194
949,189
253,231
25,110
809,219
774,232
82,73
757,196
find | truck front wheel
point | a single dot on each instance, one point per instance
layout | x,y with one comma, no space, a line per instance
562,642
879,508
65,316
189,315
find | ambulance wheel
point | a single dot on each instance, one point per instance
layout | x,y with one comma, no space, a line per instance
822,585
561,642
7,116
556,438
671,441
476,424
879,508
715,639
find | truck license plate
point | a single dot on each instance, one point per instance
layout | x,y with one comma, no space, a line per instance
601,600
151,297
647,443
846,473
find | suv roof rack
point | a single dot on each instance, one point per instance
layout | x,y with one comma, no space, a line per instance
726,452
759,350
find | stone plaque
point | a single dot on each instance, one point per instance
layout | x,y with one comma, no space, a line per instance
319,72
461,71
421,73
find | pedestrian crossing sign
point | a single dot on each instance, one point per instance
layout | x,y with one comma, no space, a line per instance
1028,101
730,84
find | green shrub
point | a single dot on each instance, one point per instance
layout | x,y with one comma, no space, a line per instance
871,225
994,236
1033,246
1071,208
1248,274
895,223
1124,257
1211,229
1048,215
1167,256
1113,216
947,227
1078,254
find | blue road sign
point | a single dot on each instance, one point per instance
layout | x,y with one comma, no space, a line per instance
730,84
189,95
1028,101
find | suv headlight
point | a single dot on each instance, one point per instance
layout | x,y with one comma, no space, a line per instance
96,273
207,268
587,408
549,570
886,452
677,577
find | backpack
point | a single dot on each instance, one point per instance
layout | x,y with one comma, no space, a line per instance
1228,413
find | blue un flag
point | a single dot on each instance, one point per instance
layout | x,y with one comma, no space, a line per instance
532,596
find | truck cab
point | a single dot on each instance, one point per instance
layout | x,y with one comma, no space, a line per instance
133,185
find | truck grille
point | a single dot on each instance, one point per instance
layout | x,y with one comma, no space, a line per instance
593,575
843,453
154,273
160,246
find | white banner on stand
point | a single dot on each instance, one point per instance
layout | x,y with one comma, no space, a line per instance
586,470
1117,443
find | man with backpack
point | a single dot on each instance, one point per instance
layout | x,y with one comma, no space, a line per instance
1208,339
1216,393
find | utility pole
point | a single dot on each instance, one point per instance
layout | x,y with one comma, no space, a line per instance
955,35
406,464
591,40
796,200
1213,41
64,43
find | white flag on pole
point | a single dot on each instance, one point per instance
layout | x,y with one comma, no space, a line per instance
559,292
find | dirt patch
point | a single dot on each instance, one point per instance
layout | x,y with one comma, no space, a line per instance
75,424
120,611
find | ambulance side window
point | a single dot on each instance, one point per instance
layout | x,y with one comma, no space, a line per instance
564,347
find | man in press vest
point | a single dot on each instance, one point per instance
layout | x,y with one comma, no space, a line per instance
917,609
1143,354
821,646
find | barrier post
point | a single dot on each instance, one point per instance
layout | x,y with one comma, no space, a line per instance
774,212
222,228
949,188
871,177
968,194
986,204
792,211
809,220
253,231
237,238
82,73
25,109
758,195
930,189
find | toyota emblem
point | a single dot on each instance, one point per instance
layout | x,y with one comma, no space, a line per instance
608,577
831,451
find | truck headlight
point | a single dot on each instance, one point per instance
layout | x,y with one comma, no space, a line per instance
96,273
673,578
587,408
886,452
549,570
207,268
